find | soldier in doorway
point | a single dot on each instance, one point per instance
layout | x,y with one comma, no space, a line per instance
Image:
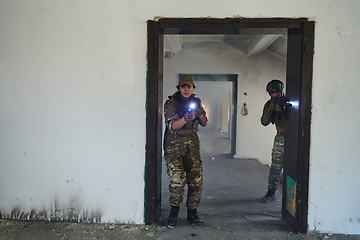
274,112
183,113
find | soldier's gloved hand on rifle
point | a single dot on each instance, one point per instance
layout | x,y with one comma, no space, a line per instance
279,108
272,107
189,116
273,104
198,113
276,104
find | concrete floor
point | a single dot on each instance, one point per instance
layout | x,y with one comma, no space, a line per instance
232,188
230,207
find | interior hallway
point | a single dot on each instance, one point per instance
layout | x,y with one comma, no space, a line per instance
232,188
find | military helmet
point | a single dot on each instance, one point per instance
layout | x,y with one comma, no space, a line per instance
274,86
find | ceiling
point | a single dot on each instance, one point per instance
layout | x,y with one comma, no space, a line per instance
251,43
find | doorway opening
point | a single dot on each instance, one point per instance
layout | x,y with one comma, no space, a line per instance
298,75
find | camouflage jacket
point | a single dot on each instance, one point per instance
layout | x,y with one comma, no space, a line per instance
277,118
175,108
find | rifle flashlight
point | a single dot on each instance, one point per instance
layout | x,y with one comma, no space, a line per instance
294,104
192,107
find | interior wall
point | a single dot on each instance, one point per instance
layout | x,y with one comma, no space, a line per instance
253,139
73,87
72,106
335,129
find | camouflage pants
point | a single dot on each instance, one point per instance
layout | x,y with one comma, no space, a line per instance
277,156
184,166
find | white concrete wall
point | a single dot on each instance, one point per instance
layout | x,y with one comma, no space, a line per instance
73,86
72,126
253,139
335,129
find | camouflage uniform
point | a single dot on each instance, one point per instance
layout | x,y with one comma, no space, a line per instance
276,162
277,118
182,152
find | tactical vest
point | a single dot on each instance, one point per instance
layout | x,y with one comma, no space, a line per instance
181,106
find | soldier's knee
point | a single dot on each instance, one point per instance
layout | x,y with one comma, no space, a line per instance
275,169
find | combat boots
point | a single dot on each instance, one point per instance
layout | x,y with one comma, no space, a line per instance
269,196
193,218
173,216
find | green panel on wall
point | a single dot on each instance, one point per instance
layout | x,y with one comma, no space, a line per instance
291,185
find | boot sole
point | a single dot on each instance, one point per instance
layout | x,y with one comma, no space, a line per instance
194,224
268,200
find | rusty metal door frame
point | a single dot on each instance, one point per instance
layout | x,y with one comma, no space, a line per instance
299,64
297,134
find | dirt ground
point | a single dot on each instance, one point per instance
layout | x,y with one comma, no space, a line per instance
10,229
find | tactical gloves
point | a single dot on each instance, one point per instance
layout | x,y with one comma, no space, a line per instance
198,113
189,116
276,105
272,107
278,108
